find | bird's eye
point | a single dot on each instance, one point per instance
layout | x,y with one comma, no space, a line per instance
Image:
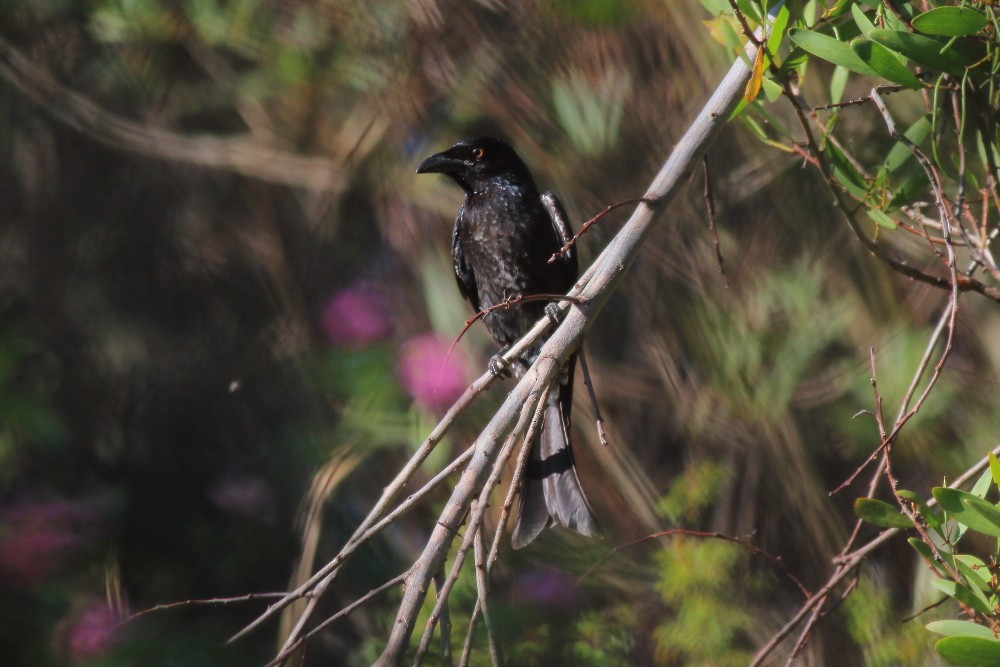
478,153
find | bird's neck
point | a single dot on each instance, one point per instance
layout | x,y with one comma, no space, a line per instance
517,186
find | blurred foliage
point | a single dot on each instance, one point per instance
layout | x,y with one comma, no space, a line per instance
188,353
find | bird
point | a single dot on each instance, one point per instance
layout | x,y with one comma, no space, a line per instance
504,235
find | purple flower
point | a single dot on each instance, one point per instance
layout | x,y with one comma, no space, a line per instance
356,316
545,586
37,538
86,632
432,377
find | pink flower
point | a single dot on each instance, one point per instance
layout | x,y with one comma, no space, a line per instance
86,633
429,375
356,316
37,538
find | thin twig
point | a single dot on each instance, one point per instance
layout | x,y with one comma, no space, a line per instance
699,533
299,642
598,417
583,229
249,597
482,598
712,228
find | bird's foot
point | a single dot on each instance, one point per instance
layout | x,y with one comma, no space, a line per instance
552,310
499,367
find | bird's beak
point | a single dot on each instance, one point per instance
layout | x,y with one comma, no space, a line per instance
440,163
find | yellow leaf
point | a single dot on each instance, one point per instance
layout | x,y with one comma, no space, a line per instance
753,85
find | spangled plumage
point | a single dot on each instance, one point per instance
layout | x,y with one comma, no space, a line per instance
504,235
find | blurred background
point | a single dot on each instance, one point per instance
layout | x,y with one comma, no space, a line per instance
226,306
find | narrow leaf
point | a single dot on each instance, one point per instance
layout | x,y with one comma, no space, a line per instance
922,50
886,63
969,651
880,218
994,468
880,513
830,49
900,153
953,628
950,21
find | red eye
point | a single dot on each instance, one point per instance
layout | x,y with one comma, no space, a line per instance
478,153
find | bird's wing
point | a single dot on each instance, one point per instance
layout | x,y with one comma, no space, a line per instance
463,272
560,222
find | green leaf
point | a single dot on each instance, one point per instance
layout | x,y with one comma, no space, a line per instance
953,628
974,570
900,153
885,62
880,218
922,50
864,23
830,49
969,510
969,651
962,594
837,84
994,468
982,485
988,512
772,91
880,513
950,21
921,548
932,517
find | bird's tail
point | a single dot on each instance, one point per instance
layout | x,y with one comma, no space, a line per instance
551,492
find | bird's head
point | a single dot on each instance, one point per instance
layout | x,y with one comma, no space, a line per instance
474,162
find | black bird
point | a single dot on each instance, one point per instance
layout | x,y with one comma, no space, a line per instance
504,235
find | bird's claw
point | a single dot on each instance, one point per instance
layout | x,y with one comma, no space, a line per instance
552,310
500,368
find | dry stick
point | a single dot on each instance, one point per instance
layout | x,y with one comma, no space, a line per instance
598,417
847,562
249,597
712,228
530,420
483,592
508,503
600,281
851,560
298,643
965,283
749,546
445,615
326,574
237,155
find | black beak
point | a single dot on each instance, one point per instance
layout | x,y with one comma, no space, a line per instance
440,163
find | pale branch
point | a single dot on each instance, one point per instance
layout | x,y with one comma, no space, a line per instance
592,293
298,643
498,533
238,155
525,430
482,595
319,582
